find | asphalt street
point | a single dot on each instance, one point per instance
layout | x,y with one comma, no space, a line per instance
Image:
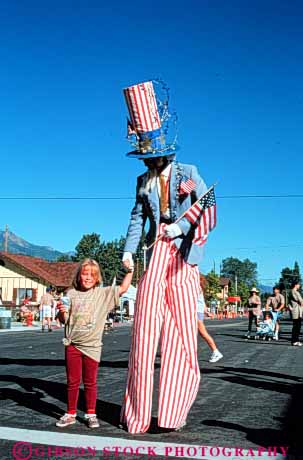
251,398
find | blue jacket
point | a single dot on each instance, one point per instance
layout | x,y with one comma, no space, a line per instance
148,207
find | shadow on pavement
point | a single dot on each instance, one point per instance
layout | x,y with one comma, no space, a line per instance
245,370
260,437
32,362
293,424
32,400
59,362
290,435
37,389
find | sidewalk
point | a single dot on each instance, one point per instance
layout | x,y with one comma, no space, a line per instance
19,327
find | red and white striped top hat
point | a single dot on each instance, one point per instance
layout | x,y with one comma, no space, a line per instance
145,121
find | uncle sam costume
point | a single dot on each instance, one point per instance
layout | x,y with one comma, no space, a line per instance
168,290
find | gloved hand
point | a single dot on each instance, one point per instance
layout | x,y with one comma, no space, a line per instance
172,231
127,260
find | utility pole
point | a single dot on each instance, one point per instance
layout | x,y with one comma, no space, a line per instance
137,271
236,289
6,239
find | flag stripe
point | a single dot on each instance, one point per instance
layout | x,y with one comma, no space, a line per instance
150,105
157,116
187,185
177,283
209,222
136,109
145,124
203,213
142,106
128,102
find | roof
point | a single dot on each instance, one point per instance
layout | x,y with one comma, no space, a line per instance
224,281
59,274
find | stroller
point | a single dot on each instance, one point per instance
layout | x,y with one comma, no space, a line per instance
266,326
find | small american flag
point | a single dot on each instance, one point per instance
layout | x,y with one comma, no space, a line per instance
187,185
203,213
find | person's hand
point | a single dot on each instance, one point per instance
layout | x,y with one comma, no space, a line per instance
172,231
62,308
128,261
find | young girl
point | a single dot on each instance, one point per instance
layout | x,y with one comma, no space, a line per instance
84,324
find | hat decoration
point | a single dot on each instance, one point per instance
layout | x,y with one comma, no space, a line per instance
150,120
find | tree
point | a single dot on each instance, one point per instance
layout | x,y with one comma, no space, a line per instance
64,258
88,247
107,254
109,258
246,270
288,276
212,287
242,274
296,272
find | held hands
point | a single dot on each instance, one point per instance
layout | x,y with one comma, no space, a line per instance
127,261
128,264
172,231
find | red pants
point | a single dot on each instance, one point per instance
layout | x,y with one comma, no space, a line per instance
166,303
77,365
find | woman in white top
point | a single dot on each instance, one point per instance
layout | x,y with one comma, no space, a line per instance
201,310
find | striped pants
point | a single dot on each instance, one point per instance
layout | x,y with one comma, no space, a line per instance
166,299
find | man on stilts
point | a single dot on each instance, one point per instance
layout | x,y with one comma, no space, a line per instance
166,304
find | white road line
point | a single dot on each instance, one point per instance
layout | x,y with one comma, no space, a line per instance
90,445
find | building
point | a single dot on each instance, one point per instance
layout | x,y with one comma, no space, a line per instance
224,285
129,299
223,294
25,276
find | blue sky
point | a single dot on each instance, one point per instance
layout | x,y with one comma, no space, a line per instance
235,75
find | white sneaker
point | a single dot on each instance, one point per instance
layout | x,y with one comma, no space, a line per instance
91,420
65,420
215,356
297,344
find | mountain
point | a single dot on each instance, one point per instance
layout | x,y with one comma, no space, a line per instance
265,289
18,245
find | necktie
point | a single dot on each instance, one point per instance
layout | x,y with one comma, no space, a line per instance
163,192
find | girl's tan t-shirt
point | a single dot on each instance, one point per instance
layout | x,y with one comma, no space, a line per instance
86,318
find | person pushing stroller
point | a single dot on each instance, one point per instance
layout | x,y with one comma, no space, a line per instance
276,304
